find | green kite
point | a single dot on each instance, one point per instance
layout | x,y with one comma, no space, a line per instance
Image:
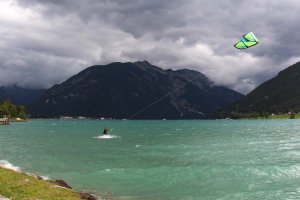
247,41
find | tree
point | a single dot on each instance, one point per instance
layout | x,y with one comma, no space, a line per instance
292,115
9,109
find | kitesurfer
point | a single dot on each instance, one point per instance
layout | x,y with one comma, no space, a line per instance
105,131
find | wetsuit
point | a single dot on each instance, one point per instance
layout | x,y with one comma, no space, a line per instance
105,131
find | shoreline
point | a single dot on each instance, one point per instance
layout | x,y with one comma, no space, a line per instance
24,184
276,117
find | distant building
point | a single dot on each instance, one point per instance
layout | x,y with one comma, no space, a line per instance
4,121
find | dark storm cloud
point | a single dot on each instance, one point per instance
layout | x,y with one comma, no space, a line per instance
45,42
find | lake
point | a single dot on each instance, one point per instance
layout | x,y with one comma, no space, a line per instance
162,159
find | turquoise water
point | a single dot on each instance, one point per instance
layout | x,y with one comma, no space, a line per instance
218,159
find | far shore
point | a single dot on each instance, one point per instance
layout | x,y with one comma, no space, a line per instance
257,115
235,117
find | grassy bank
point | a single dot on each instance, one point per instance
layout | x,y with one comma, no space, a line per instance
259,116
16,185
285,116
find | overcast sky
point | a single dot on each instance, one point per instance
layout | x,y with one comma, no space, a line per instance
43,42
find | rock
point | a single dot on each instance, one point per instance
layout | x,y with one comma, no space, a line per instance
87,196
25,181
39,177
3,198
61,183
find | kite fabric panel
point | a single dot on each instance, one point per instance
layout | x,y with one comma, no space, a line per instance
247,41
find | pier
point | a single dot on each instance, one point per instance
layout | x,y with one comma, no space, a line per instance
4,121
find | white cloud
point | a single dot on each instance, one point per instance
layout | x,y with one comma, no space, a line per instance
13,13
45,42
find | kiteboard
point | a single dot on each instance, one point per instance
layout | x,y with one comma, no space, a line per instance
106,137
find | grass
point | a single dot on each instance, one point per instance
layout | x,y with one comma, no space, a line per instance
284,116
19,186
280,116
273,116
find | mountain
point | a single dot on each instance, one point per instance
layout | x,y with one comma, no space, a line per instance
3,95
281,94
21,96
134,90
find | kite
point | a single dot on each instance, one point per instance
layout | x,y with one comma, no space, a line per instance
247,41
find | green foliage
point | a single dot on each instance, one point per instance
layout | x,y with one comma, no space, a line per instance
14,111
255,115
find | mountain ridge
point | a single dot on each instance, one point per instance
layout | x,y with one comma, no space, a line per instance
3,95
119,90
280,94
19,95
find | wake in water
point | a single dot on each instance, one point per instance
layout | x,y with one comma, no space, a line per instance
106,137
8,165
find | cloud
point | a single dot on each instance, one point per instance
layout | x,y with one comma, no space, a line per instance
46,42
